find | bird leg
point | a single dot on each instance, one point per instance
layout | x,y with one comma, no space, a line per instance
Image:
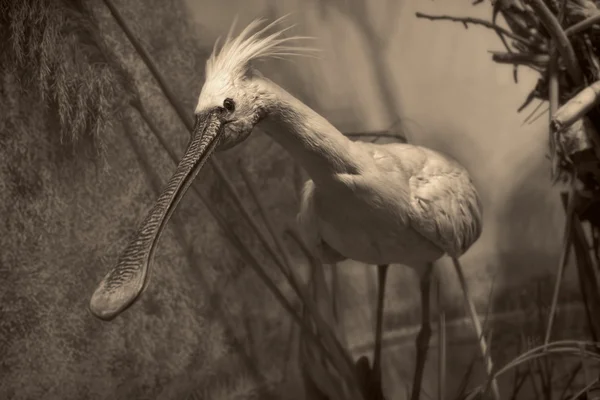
422,342
483,348
381,278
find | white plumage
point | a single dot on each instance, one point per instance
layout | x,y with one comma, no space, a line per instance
406,205
378,204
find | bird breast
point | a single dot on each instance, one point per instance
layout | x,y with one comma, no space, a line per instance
372,235
365,231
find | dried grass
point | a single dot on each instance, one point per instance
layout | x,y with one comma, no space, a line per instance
57,50
324,357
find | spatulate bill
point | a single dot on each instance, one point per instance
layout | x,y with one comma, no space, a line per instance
125,282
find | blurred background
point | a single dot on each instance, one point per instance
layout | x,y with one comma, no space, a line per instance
72,190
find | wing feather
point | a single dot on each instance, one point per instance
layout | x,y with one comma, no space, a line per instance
446,207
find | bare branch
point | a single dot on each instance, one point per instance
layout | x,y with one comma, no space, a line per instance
576,107
527,102
520,58
497,10
583,25
474,21
564,257
287,259
560,38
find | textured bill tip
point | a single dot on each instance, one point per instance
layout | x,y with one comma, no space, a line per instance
106,304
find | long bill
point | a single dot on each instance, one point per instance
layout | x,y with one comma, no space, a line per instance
125,282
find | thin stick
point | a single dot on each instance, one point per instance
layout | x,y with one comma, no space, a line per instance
520,58
483,348
441,344
537,387
518,385
496,10
573,374
288,350
553,91
588,280
532,112
315,263
527,101
553,98
558,348
464,382
583,25
540,115
266,219
335,289
327,335
576,107
382,271
424,335
584,366
371,290
486,320
585,389
475,21
567,347
335,357
564,257
563,44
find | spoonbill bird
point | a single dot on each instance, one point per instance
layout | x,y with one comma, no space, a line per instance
377,204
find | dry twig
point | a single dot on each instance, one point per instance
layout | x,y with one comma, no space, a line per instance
583,25
564,257
576,108
521,58
558,34
441,344
475,21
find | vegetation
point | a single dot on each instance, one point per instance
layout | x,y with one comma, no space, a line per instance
89,131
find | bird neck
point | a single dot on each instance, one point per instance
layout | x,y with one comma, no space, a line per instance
321,149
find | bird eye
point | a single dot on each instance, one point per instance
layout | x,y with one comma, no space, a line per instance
229,104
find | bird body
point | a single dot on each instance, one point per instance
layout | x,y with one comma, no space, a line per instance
379,204
374,203
405,205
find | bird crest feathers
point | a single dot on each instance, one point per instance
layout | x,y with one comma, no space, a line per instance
236,54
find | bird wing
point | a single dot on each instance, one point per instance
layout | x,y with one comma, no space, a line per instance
445,206
309,230
441,201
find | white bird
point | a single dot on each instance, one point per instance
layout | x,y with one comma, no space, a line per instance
376,204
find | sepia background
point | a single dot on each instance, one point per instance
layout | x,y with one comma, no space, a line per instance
206,326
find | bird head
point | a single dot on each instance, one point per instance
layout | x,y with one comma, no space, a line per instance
232,101
233,88
240,102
